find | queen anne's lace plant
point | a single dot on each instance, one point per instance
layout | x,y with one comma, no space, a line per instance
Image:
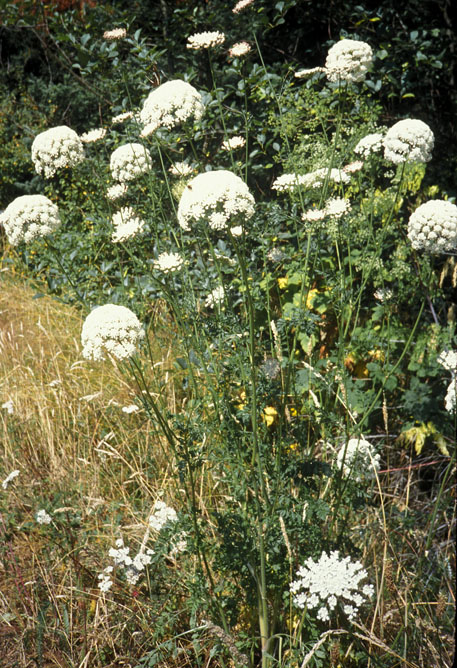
105,583
42,517
129,161
215,297
161,514
126,224
233,143
217,197
132,408
93,135
181,169
348,60
9,478
448,359
303,74
336,207
121,118
29,217
314,215
313,179
168,263
352,167
204,40
113,329
242,4
8,406
116,191
369,144
358,458
329,582
116,33
433,226
409,140
133,566
55,149
239,49
450,399
169,105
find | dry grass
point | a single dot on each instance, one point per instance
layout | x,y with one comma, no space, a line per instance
80,456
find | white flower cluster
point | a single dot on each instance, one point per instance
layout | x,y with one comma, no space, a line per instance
170,104
216,296
161,515
313,179
168,262
112,328
336,207
29,217
303,74
433,226
129,161
55,149
358,458
121,557
217,196
352,167
181,169
120,118
8,406
409,140
329,581
233,143
450,400
448,359
105,582
116,191
348,60
42,517
116,33
369,144
93,135
239,49
204,40
132,408
242,4
126,224
9,478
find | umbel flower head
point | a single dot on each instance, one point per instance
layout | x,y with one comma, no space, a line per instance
169,263
29,217
169,105
329,582
433,226
217,197
357,458
129,161
371,143
409,140
126,224
348,60
55,149
450,400
204,40
313,179
113,329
